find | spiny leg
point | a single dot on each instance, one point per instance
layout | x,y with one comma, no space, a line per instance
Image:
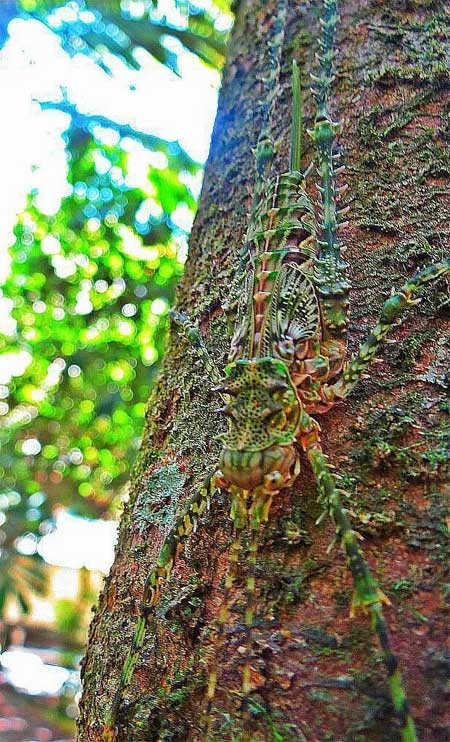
250,585
367,595
390,314
193,335
258,515
249,616
239,518
222,621
265,147
329,269
184,526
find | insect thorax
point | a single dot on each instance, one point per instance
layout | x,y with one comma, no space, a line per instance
264,414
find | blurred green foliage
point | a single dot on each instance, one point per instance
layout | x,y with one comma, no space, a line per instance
89,290
121,26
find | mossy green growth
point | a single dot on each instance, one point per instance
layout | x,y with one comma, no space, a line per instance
383,435
266,725
405,355
430,532
158,499
423,48
295,581
181,603
160,715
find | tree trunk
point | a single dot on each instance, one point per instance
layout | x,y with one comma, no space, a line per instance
318,672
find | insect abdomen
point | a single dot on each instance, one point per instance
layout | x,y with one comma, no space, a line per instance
283,232
251,469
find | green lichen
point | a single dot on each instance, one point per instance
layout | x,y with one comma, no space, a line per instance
291,584
266,725
381,438
423,49
158,498
161,716
430,532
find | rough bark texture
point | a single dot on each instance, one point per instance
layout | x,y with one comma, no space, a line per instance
390,440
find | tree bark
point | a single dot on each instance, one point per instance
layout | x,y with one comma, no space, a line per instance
318,672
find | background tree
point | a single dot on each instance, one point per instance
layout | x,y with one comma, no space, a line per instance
87,286
317,675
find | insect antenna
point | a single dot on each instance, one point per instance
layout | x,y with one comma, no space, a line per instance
193,335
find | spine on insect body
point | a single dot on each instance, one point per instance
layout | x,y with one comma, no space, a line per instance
280,240
281,235
277,311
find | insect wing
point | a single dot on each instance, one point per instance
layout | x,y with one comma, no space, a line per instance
294,311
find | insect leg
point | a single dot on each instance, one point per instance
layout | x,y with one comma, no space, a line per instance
329,269
186,523
367,594
265,149
239,518
249,614
258,515
390,314
250,585
193,335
